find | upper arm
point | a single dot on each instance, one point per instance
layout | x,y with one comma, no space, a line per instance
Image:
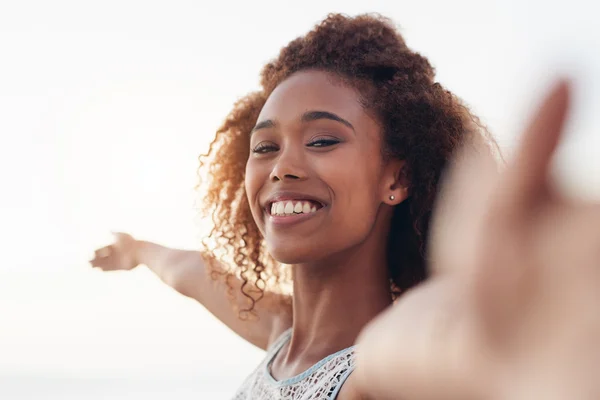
423,347
223,297
395,351
271,315
274,317
350,390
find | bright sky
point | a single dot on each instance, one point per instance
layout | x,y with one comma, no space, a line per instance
105,106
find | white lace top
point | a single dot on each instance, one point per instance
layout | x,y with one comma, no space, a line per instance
322,381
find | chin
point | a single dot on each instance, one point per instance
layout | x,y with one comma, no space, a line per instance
293,253
288,257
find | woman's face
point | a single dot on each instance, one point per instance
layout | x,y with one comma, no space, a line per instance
315,178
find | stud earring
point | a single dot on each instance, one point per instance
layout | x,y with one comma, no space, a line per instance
392,197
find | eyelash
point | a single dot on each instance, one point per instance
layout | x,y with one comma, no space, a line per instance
324,142
263,148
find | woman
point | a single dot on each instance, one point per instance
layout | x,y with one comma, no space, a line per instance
329,174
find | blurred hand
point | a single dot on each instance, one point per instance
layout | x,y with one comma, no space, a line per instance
528,260
120,255
512,310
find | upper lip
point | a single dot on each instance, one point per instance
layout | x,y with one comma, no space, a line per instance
287,195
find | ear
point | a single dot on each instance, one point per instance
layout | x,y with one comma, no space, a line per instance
395,188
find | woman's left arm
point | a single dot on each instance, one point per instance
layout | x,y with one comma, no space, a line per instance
424,347
512,310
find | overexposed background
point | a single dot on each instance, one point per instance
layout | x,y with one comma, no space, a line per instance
104,108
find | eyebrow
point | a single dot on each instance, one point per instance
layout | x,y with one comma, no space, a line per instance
306,117
263,125
316,115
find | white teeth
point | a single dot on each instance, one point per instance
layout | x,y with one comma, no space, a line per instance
289,207
280,208
306,207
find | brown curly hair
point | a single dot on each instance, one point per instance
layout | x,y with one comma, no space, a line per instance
422,123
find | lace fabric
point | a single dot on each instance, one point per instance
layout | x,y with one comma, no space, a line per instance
322,381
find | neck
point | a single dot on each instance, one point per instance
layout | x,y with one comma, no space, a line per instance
335,298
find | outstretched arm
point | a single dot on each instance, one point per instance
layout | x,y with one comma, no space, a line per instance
512,309
421,349
187,272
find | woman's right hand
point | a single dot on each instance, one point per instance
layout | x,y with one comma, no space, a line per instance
120,255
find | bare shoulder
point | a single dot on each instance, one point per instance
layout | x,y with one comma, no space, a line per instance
282,321
350,391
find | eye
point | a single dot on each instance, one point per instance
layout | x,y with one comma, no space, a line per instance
323,142
264,147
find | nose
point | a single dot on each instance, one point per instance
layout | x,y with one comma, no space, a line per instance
290,165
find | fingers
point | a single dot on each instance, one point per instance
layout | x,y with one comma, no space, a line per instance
103,258
103,252
116,256
118,235
526,180
502,293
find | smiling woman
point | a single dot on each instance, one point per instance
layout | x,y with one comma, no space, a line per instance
367,102
329,174
326,176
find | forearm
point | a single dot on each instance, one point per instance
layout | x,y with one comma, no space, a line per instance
174,267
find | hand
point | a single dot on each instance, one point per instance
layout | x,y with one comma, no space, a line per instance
121,255
529,262
512,310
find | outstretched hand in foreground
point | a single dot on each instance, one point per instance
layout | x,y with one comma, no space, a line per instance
512,308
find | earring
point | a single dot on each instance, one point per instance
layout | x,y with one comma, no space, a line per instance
392,197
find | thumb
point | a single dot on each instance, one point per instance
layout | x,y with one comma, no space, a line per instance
527,178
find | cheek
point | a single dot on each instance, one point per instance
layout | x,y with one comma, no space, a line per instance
356,190
249,182
253,181
355,177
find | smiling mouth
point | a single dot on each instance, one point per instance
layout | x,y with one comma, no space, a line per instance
287,208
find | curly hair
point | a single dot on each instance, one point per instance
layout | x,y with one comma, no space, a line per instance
422,124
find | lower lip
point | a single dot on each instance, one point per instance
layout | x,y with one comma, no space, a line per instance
292,219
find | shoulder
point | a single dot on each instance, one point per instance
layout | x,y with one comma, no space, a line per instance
281,324
350,388
350,391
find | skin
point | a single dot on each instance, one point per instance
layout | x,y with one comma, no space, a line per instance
511,310
340,250
187,272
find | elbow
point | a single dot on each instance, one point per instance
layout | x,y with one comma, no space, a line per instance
176,283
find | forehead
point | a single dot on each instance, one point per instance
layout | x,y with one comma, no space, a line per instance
312,90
